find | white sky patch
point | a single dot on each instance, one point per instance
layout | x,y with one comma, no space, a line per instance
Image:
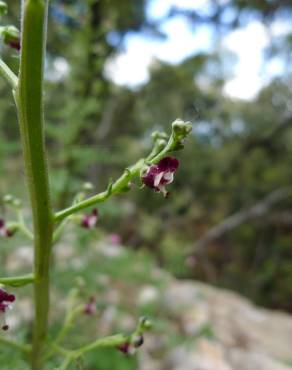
131,67
251,73
248,44
60,70
248,75
158,9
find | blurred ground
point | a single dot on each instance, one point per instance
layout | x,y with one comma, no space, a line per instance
196,326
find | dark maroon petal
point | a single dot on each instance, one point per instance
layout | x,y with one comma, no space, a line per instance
149,177
125,347
15,44
10,298
2,223
89,221
85,222
90,307
168,164
3,307
3,295
9,233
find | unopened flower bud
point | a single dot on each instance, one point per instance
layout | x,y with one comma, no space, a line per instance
159,135
145,323
87,186
90,306
137,340
8,199
11,37
180,130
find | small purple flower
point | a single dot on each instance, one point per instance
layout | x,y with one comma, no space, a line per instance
130,346
90,306
124,348
89,221
14,44
159,175
115,239
5,302
4,230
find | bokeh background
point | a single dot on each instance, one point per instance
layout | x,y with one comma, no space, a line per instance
116,71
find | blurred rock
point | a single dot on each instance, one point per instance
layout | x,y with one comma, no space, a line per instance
21,258
148,294
221,331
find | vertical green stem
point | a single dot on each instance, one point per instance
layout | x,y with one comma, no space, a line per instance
29,100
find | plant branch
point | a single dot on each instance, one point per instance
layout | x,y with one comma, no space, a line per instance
8,75
180,130
15,345
18,281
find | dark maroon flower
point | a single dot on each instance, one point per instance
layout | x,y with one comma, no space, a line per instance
159,175
124,348
90,221
90,307
5,302
14,44
4,230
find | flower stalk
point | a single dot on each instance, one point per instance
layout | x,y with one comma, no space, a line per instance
29,101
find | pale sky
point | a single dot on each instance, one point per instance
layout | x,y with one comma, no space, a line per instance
131,67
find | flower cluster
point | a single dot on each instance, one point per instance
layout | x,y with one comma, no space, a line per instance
5,302
159,175
136,340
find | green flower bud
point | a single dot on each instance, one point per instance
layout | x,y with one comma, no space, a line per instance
87,186
11,36
159,135
8,199
180,130
3,8
144,324
137,340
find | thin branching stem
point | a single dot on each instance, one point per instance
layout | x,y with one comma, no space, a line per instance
8,75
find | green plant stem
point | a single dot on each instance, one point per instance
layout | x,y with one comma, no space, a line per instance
117,187
18,281
68,323
22,226
14,345
29,100
112,341
8,75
